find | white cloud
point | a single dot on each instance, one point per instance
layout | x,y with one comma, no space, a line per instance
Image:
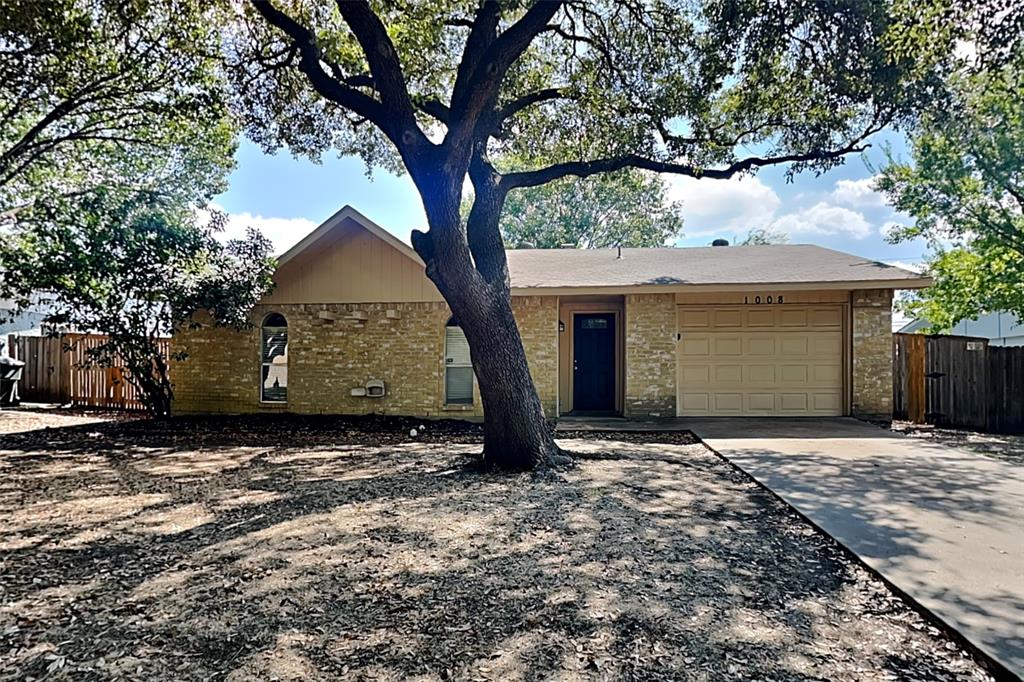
282,232
858,193
913,266
723,207
888,228
825,219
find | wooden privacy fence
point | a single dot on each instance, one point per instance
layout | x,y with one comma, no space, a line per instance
958,381
55,372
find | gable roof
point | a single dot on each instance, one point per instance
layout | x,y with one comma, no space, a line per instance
531,270
347,212
783,264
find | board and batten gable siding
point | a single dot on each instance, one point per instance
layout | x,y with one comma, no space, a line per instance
351,265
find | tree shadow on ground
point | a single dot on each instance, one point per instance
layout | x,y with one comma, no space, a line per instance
1008,448
942,523
201,553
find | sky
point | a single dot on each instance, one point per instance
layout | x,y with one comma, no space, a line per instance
286,198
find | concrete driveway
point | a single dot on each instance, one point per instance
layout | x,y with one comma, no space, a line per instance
946,526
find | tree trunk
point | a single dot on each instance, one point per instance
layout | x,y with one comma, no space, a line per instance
470,270
151,377
157,398
516,434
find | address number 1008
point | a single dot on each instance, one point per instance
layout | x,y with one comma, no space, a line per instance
758,300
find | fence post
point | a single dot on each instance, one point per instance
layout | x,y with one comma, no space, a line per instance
117,387
916,388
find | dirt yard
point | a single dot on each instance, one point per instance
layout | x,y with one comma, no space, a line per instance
33,417
321,549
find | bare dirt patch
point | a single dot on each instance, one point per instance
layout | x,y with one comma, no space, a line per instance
1008,448
309,549
35,417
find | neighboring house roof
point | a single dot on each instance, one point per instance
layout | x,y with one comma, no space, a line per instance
913,326
25,321
596,270
997,325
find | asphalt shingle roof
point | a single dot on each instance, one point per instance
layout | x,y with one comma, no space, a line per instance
711,265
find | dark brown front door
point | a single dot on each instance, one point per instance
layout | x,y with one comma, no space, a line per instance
593,368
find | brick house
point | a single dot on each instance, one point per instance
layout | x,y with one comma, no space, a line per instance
354,326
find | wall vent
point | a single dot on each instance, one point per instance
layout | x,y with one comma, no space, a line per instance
375,388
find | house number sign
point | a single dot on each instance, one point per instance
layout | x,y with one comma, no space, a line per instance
758,300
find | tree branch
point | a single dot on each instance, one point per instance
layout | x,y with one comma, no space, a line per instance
359,80
324,84
599,47
58,112
584,169
482,230
385,69
435,108
483,31
478,91
515,106
510,45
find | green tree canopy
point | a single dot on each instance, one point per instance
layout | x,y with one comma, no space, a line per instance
113,132
101,92
626,208
964,188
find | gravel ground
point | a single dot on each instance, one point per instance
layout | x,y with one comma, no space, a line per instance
316,549
1007,448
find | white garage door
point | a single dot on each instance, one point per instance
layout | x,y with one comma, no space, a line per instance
781,360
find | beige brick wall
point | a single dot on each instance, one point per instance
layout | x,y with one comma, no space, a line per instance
221,374
537,317
650,355
329,358
872,353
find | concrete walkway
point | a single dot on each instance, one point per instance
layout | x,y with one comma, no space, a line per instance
946,526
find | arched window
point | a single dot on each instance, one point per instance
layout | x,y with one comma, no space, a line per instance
458,369
274,359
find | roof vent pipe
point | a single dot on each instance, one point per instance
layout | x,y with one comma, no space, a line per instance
720,242
619,256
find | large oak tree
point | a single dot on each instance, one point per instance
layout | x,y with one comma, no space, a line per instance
444,89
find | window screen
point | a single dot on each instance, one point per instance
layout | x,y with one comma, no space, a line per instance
458,369
274,359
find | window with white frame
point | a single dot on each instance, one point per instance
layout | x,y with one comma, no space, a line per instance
274,359
458,369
